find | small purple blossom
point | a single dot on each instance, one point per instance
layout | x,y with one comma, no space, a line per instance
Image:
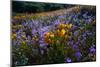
78,54
75,46
69,60
76,33
92,49
57,22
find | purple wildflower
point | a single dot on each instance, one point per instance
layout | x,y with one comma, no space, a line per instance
92,50
69,60
78,55
57,22
76,33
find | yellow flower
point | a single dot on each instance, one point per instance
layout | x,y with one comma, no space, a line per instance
23,36
65,25
33,38
58,30
14,36
14,27
52,35
61,25
69,26
66,36
47,34
62,32
23,42
19,26
23,16
48,40
48,37
16,17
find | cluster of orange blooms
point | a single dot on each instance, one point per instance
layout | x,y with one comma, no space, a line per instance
49,37
62,32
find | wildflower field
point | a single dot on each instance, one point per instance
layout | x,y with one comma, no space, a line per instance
64,35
